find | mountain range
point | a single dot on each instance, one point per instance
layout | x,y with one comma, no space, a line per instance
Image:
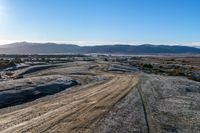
48,48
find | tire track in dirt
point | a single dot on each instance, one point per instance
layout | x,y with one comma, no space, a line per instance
150,122
144,109
77,111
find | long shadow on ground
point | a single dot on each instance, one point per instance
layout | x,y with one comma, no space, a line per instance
17,96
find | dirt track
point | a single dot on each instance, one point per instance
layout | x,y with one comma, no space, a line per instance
77,111
107,99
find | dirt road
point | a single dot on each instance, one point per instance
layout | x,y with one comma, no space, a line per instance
107,98
76,111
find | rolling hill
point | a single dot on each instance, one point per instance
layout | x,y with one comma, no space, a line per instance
47,48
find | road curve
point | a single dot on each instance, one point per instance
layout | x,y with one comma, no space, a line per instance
73,112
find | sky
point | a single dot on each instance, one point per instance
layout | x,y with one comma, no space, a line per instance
89,22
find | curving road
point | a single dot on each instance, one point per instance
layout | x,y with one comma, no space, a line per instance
73,112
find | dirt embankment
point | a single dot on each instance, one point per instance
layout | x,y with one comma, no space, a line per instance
28,89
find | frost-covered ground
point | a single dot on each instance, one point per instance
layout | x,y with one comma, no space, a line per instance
157,104
97,96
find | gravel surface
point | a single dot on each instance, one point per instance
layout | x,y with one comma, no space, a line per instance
98,97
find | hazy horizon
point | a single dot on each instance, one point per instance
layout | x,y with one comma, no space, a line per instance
92,43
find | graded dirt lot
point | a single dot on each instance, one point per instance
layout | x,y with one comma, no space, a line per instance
97,96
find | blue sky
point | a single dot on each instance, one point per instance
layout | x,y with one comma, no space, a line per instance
101,21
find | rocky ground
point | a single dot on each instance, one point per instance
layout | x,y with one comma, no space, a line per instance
98,97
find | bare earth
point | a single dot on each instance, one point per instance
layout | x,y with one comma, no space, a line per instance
76,111
90,97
